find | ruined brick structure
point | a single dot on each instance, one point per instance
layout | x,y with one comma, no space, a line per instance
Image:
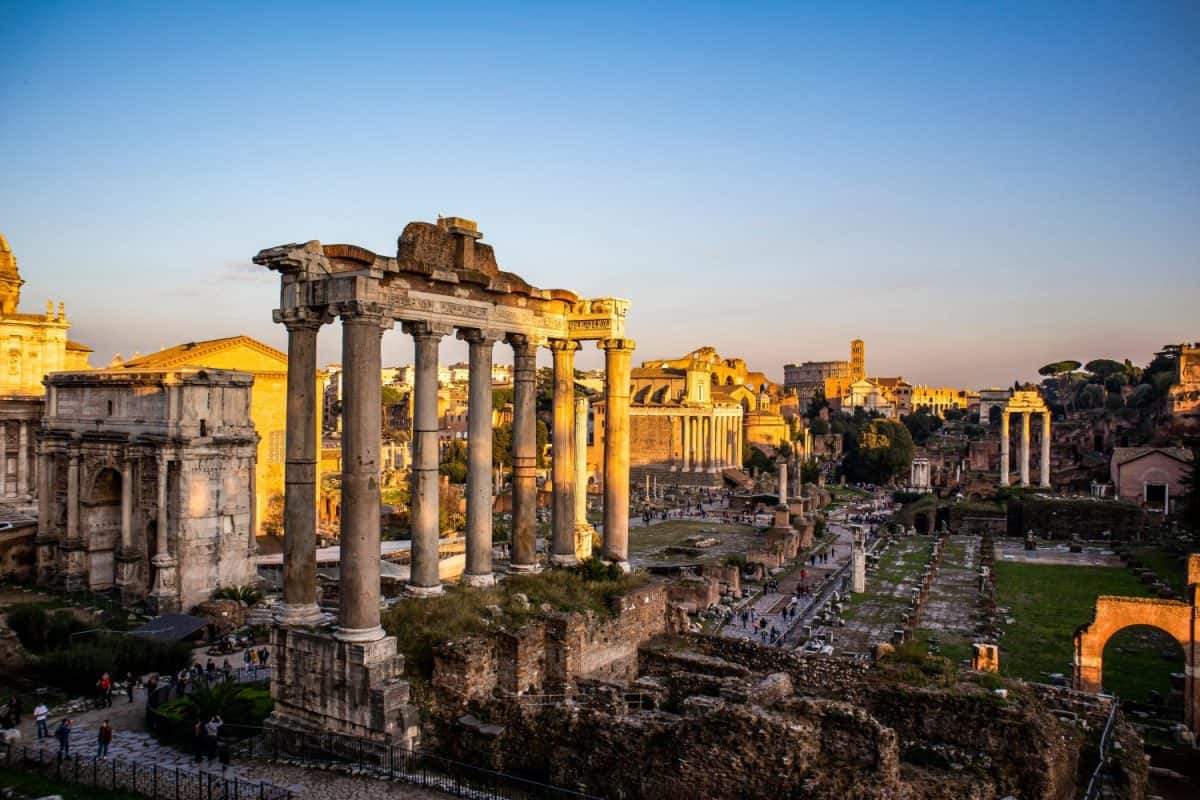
1181,620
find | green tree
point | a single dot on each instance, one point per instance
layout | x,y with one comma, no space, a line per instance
819,427
543,441
921,424
454,461
502,446
1191,510
1063,373
881,452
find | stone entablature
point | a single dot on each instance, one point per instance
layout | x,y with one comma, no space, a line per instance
146,484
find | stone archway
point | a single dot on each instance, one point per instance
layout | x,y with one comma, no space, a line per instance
101,523
1181,621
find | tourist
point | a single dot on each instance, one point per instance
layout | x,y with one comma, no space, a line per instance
212,732
227,670
103,739
40,715
130,683
263,655
246,658
63,734
104,691
199,740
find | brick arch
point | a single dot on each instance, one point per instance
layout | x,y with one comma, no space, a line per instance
1179,620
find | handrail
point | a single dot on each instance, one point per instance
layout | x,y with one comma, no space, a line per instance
1093,788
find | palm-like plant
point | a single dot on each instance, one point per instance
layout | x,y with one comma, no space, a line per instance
247,594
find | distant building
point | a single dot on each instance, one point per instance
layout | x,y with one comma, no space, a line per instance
1184,396
1151,476
832,378
147,484
33,345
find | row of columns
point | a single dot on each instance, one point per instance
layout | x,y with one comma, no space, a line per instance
22,489
358,611
1024,452
708,443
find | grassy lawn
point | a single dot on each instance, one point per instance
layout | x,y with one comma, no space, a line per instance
645,542
1049,602
1170,568
37,786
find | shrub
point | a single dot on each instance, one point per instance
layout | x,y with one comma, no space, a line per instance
241,707
245,594
76,668
39,631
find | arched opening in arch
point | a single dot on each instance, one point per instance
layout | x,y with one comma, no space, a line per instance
1145,665
921,522
101,522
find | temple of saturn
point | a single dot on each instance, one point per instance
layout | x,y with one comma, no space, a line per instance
442,280
1026,404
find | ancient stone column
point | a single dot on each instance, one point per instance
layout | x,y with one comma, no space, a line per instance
783,487
686,438
617,353
425,580
1025,449
478,570
163,595
299,606
358,571
1004,437
3,459
713,457
583,528
562,544
72,494
23,459
524,454
44,527
127,504
1045,476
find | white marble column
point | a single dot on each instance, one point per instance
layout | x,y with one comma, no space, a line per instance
358,544
299,606
23,459
562,542
478,571
1025,448
1004,437
1045,476
617,355
524,454
425,580
711,441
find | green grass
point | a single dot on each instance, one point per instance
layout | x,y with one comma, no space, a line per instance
37,786
1166,566
1049,602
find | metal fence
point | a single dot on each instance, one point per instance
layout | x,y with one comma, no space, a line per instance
1096,784
150,780
400,763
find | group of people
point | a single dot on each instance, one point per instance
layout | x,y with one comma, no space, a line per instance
104,689
206,737
66,727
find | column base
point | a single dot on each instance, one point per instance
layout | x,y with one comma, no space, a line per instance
303,614
424,591
359,634
621,565
564,560
1044,486
478,581
525,568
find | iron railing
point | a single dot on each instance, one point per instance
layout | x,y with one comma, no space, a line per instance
1096,784
151,780
395,762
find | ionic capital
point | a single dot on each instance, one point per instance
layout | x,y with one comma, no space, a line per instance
425,330
616,344
302,318
478,335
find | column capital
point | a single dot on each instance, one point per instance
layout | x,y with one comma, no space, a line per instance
422,329
562,345
616,344
365,314
524,342
302,318
478,335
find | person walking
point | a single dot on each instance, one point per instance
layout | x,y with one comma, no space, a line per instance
129,684
63,734
40,716
212,732
103,739
199,740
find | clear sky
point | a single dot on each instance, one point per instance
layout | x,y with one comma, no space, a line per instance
973,188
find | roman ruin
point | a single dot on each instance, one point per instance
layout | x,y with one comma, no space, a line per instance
441,280
1025,404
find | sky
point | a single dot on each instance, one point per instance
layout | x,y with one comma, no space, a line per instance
975,189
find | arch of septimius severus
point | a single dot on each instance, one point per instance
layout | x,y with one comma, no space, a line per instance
441,281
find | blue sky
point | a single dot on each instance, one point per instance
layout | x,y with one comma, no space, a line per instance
973,188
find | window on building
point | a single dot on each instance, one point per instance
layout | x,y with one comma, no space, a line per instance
275,447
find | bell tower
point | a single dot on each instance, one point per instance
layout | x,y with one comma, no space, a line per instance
10,280
858,360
